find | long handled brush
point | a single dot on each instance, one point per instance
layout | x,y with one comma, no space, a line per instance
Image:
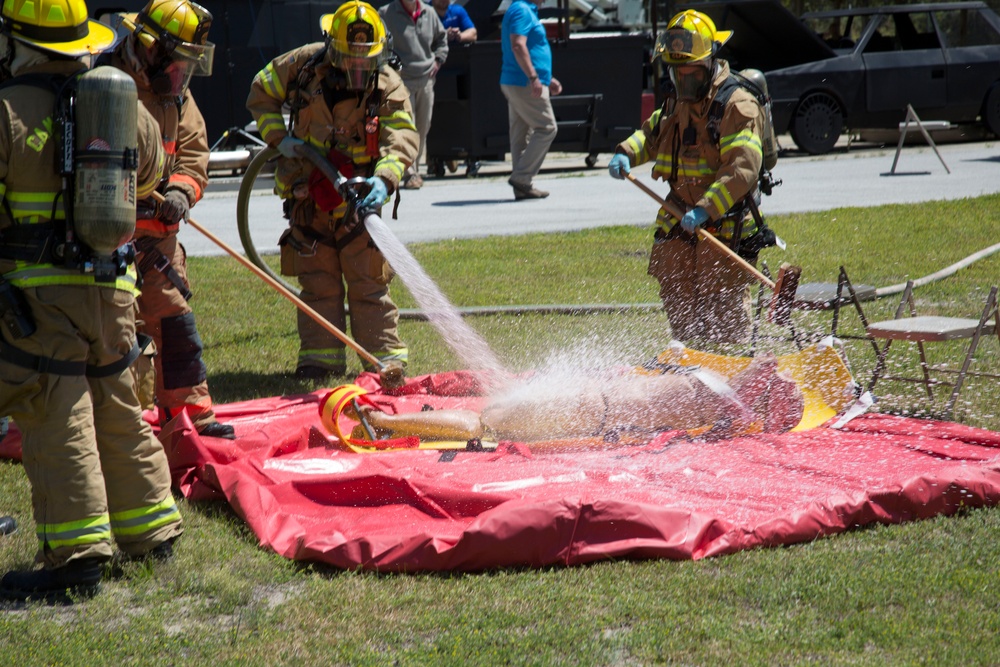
782,289
391,375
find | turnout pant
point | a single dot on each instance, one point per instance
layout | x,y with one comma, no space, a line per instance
706,296
166,317
327,274
95,468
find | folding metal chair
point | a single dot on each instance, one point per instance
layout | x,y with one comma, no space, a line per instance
930,329
827,296
821,296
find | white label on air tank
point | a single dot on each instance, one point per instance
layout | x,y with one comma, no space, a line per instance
99,186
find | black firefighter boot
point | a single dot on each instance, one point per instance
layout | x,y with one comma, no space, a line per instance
77,579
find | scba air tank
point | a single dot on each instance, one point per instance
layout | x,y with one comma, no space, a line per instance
769,143
104,159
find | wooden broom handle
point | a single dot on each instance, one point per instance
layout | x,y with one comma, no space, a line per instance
299,303
675,211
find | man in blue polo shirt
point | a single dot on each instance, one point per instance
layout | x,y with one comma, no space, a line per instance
456,21
526,81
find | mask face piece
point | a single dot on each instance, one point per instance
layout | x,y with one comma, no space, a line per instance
692,80
356,69
170,69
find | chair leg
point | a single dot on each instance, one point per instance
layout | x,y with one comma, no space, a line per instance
842,282
880,361
925,369
879,364
989,311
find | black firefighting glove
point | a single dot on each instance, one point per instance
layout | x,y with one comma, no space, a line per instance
174,207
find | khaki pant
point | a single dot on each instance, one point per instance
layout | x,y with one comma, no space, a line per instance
422,102
327,275
532,130
86,449
706,296
166,317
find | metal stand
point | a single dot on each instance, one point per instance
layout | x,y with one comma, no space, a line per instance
911,116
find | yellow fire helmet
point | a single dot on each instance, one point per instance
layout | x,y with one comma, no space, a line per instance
58,26
179,30
690,36
357,41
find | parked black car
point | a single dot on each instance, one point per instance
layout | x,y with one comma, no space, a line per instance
855,69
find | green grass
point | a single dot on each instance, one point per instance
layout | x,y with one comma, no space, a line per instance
920,593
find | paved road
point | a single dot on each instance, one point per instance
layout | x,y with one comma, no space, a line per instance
458,207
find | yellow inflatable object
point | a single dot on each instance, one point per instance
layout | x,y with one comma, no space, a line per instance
826,384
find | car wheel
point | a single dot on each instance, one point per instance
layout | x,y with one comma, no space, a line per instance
991,110
817,124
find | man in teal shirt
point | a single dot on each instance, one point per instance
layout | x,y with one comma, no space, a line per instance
526,81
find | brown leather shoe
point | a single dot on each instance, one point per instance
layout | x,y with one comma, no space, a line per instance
414,182
529,193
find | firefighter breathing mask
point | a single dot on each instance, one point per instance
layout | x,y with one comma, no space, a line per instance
693,80
357,42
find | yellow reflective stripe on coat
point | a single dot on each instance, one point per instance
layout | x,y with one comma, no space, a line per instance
144,189
393,165
718,195
29,207
686,168
666,222
398,120
271,82
268,123
145,519
42,275
357,154
743,139
728,226
75,533
637,144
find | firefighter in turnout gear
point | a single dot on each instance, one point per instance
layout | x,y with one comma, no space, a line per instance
348,104
166,45
67,309
708,148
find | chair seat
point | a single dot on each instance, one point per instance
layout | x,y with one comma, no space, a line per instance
823,296
928,328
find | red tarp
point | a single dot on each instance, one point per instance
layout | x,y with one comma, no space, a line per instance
672,498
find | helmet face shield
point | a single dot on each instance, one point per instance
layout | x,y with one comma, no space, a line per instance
358,67
692,80
195,57
170,71
689,36
172,40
